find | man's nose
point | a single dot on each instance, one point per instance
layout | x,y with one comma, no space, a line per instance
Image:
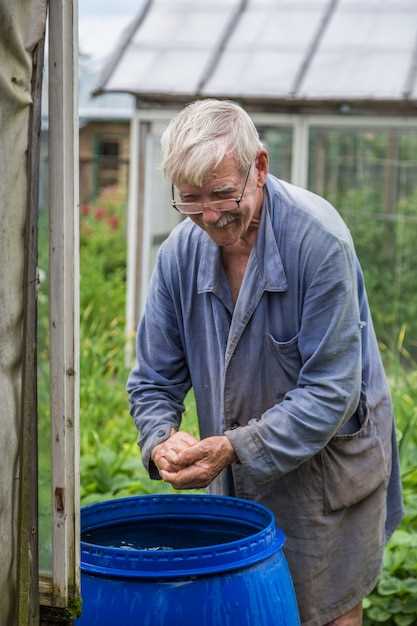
210,216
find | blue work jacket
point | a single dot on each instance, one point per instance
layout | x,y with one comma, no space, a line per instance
290,373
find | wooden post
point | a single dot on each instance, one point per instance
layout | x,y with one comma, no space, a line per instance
135,231
64,301
28,567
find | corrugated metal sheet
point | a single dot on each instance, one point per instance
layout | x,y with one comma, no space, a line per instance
275,49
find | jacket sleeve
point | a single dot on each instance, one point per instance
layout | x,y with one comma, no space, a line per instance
329,381
160,380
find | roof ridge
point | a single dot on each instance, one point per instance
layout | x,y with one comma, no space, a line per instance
215,59
410,80
312,48
124,41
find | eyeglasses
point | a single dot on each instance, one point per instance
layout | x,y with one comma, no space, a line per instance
196,208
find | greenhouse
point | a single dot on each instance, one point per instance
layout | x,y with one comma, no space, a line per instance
333,96
332,88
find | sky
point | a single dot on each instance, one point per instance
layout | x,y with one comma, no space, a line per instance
101,23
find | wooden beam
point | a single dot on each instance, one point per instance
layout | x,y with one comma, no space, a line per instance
52,616
28,566
303,106
49,614
64,298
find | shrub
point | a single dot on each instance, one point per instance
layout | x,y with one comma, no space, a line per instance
394,600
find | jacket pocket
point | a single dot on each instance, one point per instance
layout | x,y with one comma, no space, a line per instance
354,465
284,363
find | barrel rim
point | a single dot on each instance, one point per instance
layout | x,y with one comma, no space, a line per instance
199,561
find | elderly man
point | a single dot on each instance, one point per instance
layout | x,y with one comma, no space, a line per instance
258,302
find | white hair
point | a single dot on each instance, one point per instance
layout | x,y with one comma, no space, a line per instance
199,137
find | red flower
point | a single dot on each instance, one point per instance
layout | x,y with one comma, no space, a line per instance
113,222
85,209
99,213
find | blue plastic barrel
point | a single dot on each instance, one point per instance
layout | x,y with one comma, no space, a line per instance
183,560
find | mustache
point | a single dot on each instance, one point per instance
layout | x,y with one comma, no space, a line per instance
226,218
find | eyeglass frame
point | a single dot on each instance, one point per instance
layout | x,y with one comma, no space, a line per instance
237,200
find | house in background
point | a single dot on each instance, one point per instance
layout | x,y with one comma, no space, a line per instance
104,136
104,123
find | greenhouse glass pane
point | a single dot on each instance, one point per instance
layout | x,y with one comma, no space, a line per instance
173,46
278,141
365,52
370,175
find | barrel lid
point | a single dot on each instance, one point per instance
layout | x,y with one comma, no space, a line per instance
266,539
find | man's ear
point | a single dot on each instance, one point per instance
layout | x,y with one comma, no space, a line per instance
262,167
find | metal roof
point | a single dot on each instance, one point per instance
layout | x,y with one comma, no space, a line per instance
271,50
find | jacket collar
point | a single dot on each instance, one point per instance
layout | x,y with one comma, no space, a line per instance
266,249
211,275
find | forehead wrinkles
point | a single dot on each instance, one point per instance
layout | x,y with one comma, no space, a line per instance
215,182
225,177
208,188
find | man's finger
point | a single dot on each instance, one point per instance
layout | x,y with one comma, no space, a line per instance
163,464
171,451
191,455
186,438
171,455
187,478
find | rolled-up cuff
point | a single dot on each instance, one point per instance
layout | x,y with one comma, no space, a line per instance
161,434
251,452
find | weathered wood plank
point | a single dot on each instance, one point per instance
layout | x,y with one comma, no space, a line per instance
52,616
64,297
27,569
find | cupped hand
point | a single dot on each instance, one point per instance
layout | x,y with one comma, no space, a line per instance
200,463
165,454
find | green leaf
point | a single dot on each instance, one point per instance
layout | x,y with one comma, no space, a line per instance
404,620
389,585
366,603
396,605
409,605
378,614
403,538
410,585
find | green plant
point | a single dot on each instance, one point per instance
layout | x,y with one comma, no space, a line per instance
370,176
394,601
110,464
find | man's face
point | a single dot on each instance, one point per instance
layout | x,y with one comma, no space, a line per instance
226,228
